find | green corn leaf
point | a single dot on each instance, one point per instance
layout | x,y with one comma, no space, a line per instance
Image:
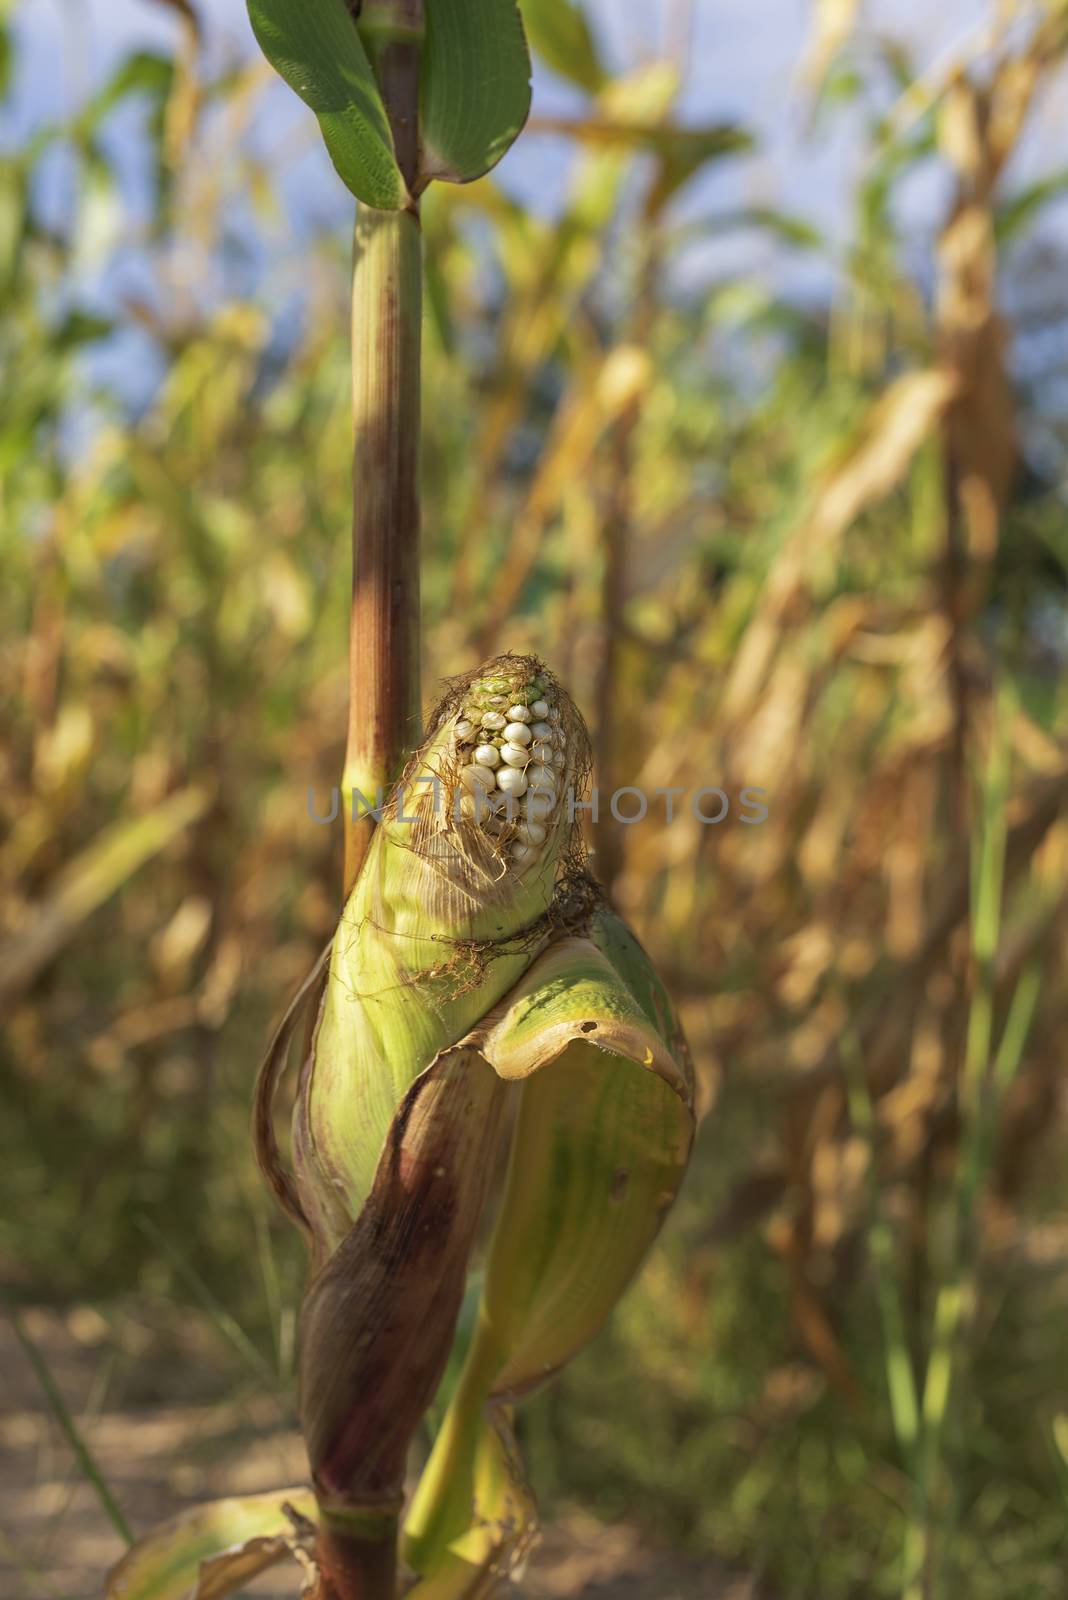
1020,209
559,32
504,1524
600,1146
314,46
474,87
681,151
141,73
215,1549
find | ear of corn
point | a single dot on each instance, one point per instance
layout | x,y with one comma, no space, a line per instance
395,1125
442,921
473,961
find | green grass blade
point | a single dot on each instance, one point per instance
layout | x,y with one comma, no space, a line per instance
900,1379
83,1455
223,1320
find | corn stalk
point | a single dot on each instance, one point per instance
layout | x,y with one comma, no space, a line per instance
386,316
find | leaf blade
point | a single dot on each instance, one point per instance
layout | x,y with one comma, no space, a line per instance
316,50
600,1146
169,1562
561,35
475,87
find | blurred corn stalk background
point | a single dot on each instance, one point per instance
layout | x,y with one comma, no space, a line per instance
812,547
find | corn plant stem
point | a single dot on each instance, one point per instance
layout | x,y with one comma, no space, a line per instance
356,1562
392,32
355,1567
384,639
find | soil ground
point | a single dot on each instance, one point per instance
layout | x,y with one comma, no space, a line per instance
163,1440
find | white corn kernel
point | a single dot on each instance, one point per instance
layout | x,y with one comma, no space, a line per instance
540,708
492,719
523,854
477,778
515,755
464,729
519,714
540,777
541,730
511,780
487,755
530,833
517,733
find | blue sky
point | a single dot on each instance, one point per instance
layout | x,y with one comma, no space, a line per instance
744,63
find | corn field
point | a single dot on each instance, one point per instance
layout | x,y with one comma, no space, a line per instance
782,506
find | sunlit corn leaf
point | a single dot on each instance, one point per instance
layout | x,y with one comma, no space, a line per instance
213,1550
315,47
681,151
886,439
687,147
474,87
600,1147
870,465
785,226
559,32
91,879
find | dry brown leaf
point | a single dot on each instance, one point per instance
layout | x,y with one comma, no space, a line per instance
881,452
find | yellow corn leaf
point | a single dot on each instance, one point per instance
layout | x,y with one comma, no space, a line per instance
213,1550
